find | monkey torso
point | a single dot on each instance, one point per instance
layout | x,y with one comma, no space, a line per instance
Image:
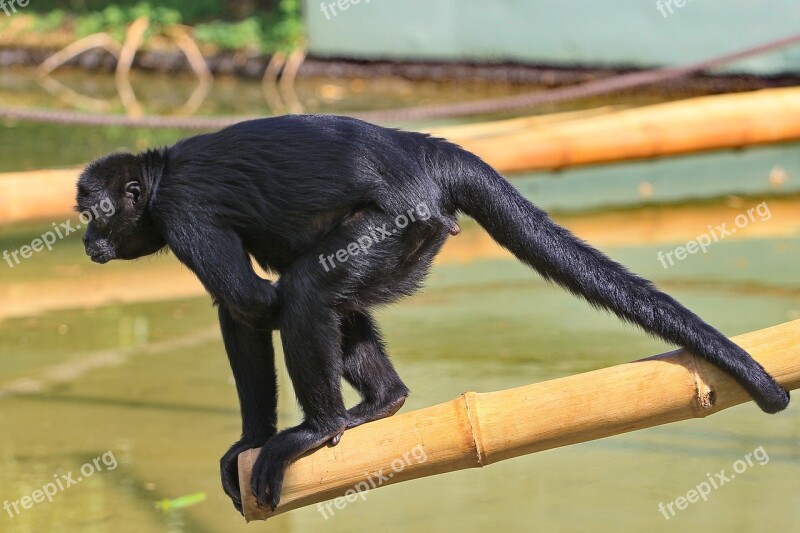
285,183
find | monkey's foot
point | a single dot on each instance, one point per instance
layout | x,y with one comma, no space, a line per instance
368,412
268,471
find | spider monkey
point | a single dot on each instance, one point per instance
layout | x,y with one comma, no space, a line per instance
290,190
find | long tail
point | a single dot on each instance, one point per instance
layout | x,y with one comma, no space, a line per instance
559,256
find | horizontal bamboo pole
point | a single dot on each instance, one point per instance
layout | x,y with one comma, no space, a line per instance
480,429
37,194
685,126
542,142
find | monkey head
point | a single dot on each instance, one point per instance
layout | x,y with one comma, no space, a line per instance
113,200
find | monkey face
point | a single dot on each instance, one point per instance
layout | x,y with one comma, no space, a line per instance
112,203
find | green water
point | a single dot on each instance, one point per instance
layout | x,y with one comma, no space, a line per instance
149,382
167,413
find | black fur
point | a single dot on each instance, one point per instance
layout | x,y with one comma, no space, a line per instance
292,192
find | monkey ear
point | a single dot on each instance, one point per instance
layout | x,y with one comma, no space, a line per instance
133,191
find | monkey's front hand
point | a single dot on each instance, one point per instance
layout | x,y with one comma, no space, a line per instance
229,469
261,309
273,318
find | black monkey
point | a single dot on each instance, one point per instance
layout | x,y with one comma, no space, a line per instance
293,192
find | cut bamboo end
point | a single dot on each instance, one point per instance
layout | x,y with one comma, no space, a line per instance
479,429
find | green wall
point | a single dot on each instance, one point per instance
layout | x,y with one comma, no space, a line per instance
566,32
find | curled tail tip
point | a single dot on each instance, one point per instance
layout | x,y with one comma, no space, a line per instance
774,400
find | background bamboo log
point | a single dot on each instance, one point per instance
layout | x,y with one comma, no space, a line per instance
479,429
685,126
542,142
37,194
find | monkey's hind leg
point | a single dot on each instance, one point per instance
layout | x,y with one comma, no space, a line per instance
368,369
310,334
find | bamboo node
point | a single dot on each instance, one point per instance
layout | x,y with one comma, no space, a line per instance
471,408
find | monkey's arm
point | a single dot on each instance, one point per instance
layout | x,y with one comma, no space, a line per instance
248,305
218,258
252,360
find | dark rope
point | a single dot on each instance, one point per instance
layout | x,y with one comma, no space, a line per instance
491,106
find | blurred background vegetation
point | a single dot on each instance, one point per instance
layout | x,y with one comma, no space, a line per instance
263,26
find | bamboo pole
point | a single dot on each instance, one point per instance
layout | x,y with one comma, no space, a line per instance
475,430
37,194
685,126
553,142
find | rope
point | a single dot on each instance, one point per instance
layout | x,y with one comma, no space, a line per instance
491,106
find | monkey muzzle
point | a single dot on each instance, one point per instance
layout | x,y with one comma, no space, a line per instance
99,251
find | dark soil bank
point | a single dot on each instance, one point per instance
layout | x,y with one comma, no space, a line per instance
252,65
